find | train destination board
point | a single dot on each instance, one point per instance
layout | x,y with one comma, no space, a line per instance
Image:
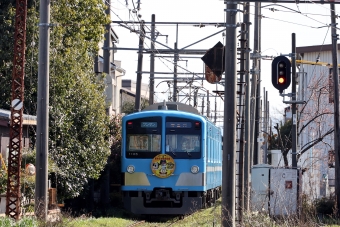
148,125
178,124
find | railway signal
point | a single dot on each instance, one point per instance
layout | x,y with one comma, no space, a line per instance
281,68
214,59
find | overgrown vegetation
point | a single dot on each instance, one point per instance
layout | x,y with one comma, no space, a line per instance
78,124
282,139
206,218
24,222
129,107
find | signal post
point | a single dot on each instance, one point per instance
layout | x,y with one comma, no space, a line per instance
281,79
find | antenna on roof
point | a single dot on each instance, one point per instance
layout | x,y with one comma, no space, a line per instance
164,107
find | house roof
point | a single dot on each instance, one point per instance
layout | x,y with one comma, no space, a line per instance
27,119
127,91
317,48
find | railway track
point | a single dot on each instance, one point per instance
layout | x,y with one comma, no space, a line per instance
141,222
137,223
179,219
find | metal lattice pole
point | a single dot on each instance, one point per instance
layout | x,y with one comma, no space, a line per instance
15,132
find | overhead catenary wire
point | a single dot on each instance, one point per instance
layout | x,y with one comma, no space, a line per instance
156,51
312,25
318,58
134,30
298,12
303,14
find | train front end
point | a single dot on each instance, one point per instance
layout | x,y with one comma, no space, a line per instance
162,162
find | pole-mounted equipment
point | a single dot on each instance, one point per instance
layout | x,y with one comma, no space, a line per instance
281,73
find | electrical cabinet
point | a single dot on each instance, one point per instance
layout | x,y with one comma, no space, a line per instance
259,187
274,190
283,191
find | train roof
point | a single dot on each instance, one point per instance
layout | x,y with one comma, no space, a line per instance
172,106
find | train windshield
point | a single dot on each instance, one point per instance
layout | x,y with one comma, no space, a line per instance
183,138
143,137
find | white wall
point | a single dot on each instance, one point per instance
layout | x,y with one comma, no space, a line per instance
314,160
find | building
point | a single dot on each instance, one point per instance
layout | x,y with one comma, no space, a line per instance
5,118
315,86
287,113
113,78
131,85
128,92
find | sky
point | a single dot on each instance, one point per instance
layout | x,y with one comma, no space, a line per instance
309,21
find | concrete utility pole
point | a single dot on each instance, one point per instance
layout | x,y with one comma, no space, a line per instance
152,61
246,171
175,73
208,105
336,106
41,177
139,67
105,184
229,130
215,116
265,124
294,116
257,43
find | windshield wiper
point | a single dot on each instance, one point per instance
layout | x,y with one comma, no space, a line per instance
167,149
188,153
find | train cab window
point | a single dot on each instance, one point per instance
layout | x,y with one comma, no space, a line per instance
178,143
183,138
143,137
141,142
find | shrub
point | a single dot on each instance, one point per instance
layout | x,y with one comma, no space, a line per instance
325,205
3,181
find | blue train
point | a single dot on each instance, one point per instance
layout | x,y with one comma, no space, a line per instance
171,160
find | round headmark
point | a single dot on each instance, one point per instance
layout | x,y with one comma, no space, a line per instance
163,165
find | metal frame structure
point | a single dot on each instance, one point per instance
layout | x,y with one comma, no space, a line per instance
15,145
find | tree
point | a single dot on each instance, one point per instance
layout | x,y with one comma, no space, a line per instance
7,14
129,107
116,140
314,121
282,140
316,116
79,127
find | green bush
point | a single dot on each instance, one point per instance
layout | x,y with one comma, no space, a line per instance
3,181
325,205
24,222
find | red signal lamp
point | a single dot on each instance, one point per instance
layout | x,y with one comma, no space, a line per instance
281,80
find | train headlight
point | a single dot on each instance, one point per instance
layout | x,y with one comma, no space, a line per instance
130,169
194,169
